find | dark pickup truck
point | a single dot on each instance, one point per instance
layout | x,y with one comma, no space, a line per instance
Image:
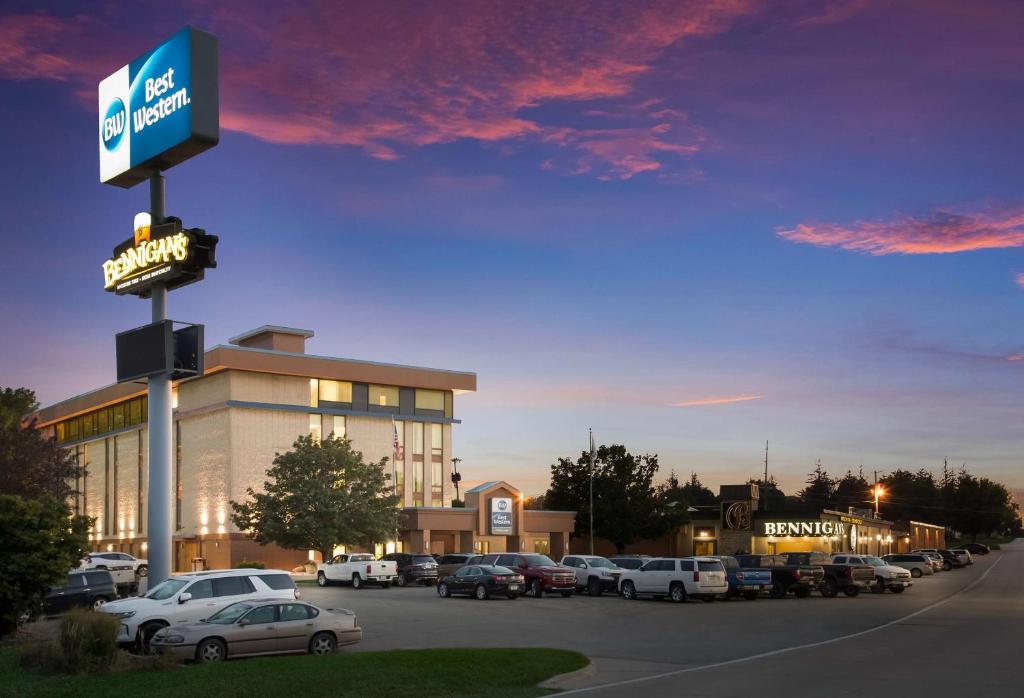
796,578
847,578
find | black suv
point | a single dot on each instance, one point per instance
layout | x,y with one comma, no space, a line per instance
89,588
414,567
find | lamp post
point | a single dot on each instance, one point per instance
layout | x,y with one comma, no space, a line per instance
456,476
879,491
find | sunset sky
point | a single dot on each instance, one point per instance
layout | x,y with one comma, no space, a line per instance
690,226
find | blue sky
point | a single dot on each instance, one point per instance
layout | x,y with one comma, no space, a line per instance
802,224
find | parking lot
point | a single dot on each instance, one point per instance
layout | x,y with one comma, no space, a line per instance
627,639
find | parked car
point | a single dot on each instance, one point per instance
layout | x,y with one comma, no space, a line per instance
676,578
419,568
976,548
186,598
799,580
954,560
260,626
481,581
109,561
629,562
540,573
746,581
83,588
357,569
123,571
917,564
939,562
848,578
594,573
964,555
451,563
895,579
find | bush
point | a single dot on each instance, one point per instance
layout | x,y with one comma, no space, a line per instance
42,657
309,567
251,565
89,641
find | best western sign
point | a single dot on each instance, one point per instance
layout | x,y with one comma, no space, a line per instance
165,254
501,516
160,109
811,527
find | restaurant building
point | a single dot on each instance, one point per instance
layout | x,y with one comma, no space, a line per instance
257,395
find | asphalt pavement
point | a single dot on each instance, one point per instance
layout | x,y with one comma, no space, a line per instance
956,631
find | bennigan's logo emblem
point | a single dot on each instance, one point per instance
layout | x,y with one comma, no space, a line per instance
112,127
146,255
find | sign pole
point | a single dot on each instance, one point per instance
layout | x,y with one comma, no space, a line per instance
160,429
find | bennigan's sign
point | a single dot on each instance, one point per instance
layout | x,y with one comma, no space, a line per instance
164,254
808,527
160,109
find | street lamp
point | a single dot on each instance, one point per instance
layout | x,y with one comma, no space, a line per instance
879,491
456,476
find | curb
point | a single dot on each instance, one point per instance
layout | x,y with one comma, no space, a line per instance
556,682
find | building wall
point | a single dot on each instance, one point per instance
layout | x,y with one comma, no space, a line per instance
206,441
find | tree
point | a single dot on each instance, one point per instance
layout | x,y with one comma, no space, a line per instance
39,542
626,506
319,495
772,497
820,488
534,502
32,466
852,491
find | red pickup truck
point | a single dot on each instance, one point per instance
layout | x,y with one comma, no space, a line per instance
540,573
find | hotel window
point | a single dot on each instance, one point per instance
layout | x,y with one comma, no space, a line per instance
382,396
314,392
542,547
436,463
335,391
334,424
174,398
118,411
399,461
314,427
417,464
430,401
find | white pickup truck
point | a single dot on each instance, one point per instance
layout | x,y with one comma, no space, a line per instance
357,569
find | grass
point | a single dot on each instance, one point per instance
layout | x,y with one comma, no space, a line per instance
436,672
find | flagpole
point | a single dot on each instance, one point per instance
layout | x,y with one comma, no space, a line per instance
591,491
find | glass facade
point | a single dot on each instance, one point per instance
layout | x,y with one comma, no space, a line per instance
430,400
335,391
399,461
417,464
103,421
436,465
315,429
383,396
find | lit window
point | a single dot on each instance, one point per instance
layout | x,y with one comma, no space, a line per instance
383,396
436,439
335,391
430,400
174,398
334,424
314,392
417,438
399,459
314,427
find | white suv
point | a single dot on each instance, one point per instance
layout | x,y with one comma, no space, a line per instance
187,598
593,573
113,561
887,576
676,578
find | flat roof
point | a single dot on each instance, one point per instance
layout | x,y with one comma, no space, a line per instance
270,329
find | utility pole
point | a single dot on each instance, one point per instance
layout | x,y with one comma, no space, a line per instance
591,491
766,474
161,448
456,476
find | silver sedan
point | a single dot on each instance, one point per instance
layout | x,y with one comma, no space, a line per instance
264,626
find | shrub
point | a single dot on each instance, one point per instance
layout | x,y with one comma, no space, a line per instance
88,641
309,567
42,657
251,564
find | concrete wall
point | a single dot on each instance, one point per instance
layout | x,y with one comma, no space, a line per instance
205,472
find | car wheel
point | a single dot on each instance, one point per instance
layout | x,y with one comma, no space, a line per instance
851,591
898,589
512,597
566,594
537,588
98,602
443,591
915,573
211,650
143,570
801,592
146,634
947,565
322,643
593,587
677,593
321,579
829,589
628,590
879,586
750,595
481,593
401,581
779,591
357,581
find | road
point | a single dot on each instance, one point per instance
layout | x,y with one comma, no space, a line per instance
957,630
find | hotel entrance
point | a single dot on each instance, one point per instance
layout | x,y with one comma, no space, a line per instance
704,542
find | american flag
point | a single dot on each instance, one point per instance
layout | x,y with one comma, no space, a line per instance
397,446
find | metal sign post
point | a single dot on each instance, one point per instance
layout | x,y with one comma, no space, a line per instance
160,429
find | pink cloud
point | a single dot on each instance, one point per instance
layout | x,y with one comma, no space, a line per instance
940,233
387,77
1019,280
716,400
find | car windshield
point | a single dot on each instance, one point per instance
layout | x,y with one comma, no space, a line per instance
729,562
166,590
874,561
229,614
599,562
539,560
420,559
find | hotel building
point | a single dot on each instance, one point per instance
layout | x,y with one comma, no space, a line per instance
257,395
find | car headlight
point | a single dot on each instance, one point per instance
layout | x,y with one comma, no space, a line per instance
121,614
173,639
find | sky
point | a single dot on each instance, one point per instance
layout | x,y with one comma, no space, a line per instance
690,226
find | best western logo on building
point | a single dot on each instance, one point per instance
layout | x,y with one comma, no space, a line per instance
160,109
501,515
